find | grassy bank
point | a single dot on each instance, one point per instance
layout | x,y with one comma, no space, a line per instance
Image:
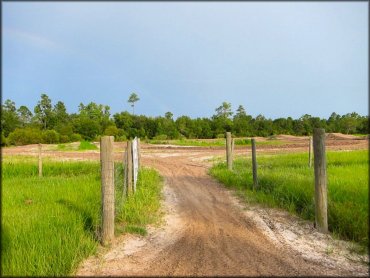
50,224
286,181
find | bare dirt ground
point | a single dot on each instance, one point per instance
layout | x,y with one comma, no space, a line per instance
207,231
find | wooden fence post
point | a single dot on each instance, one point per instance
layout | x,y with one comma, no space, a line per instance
139,152
129,168
40,160
321,203
107,185
254,164
124,189
229,155
310,147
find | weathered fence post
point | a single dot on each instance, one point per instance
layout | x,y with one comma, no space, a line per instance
124,189
107,188
129,168
229,155
254,164
139,152
321,203
310,147
135,162
40,160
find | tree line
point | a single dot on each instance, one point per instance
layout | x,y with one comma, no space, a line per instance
50,123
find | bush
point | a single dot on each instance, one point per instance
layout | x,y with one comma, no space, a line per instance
160,137
111,131
221,135
64,139
24,136
121,138
50,137
75,137
3,139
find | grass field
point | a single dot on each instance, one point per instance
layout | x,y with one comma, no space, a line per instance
286,181
50,224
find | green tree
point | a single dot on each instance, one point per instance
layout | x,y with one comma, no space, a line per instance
132,99
240,112
9,117
221,121
168,115
224,110
25,115
44,112
60,112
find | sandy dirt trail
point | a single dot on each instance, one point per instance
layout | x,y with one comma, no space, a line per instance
205,233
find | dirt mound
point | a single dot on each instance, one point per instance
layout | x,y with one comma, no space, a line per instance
341,136
289,137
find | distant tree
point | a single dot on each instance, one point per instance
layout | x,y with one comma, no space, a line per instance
168,115
9,117
240,111
60,112
224,110
25,115
242,122
132,99
43,111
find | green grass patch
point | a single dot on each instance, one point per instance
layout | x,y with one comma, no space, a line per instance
50,224
141,208
286,181
85,145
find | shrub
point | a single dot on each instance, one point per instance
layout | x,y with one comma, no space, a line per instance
75,137
50,137
3,139
221,135
121,138
160,137
64,139
111,131
24,136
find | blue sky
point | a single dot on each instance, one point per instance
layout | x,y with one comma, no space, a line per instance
277,59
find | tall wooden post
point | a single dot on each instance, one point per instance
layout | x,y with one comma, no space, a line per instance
129,168
107,188
139,152
310,147
254,164
229,156
124,189
321,203
40,159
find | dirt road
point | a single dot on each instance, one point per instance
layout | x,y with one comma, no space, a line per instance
206,233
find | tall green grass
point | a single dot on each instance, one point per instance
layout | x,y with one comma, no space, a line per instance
50,224
286,181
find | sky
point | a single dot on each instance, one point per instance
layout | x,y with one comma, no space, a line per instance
276,59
